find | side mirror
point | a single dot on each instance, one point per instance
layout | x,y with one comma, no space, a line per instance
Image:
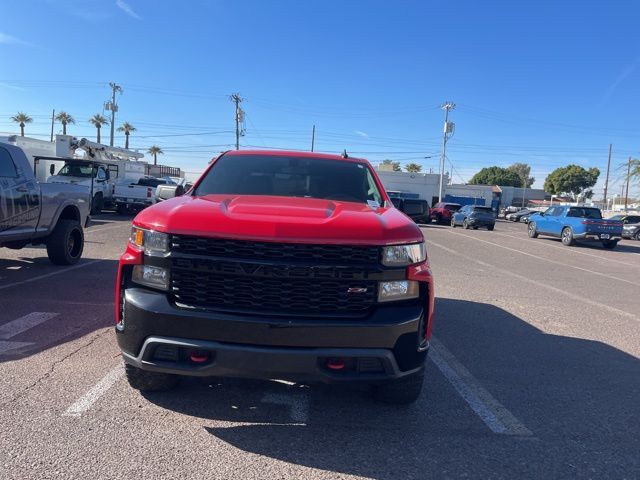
52,169
165,192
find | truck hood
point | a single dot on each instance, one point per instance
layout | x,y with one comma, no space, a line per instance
271,218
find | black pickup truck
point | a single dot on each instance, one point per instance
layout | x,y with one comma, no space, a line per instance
51,214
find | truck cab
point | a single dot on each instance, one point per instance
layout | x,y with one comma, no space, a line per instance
96,177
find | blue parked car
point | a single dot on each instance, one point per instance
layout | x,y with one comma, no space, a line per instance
576,223
474,216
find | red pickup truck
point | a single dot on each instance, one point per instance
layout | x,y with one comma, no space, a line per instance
277,264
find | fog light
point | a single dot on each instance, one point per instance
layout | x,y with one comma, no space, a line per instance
154,277
397,290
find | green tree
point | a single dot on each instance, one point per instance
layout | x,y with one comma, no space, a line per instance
65,119
572,180
127,128
98,121
155,151
496,176
413,168
22,119
394,165
523,170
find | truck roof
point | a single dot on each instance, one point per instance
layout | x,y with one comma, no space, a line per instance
294,153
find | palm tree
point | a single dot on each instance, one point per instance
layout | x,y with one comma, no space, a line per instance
65,119
413,168
127,128
155,151
22,119
98,121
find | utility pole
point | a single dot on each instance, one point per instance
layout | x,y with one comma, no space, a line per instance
626,196
606,182
313,137
53,119
448,128
237,99
113,106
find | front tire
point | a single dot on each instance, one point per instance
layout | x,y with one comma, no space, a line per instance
65,244
637,235
465,224
532,231
567,237
453,222
149,381
403,391
490,227
610,244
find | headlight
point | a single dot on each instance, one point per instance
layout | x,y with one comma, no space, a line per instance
403,255
154,277
398,290
154,244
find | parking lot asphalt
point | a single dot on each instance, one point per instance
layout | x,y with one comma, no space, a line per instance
534,373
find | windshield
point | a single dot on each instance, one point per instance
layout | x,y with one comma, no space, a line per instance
290,177
592,213
483,209
75,170
452,207
619,218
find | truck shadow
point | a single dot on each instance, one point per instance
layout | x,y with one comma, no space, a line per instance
578,397
81,308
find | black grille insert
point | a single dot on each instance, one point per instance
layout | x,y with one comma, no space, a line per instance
274,279
286,252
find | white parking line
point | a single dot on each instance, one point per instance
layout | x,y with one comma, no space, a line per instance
298,404
539,258
51,274
8,346
504,271
85,402
25,323
490,410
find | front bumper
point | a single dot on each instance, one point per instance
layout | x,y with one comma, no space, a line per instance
629,233
159,337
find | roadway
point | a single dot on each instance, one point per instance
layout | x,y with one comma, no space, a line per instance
534,373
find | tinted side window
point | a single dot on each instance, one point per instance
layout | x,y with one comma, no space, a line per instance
7,167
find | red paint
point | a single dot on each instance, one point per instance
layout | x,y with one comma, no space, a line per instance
422,273
131,256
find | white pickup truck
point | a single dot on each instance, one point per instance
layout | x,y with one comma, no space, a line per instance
133,196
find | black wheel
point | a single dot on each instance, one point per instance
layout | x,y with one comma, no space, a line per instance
637,235
149,381
567,237
97,204
532,231
453,222
609,244
475,228
490,227
465,225
402,391
65,244
438,219
121,209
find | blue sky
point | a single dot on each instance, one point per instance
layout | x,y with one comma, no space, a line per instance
547,83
